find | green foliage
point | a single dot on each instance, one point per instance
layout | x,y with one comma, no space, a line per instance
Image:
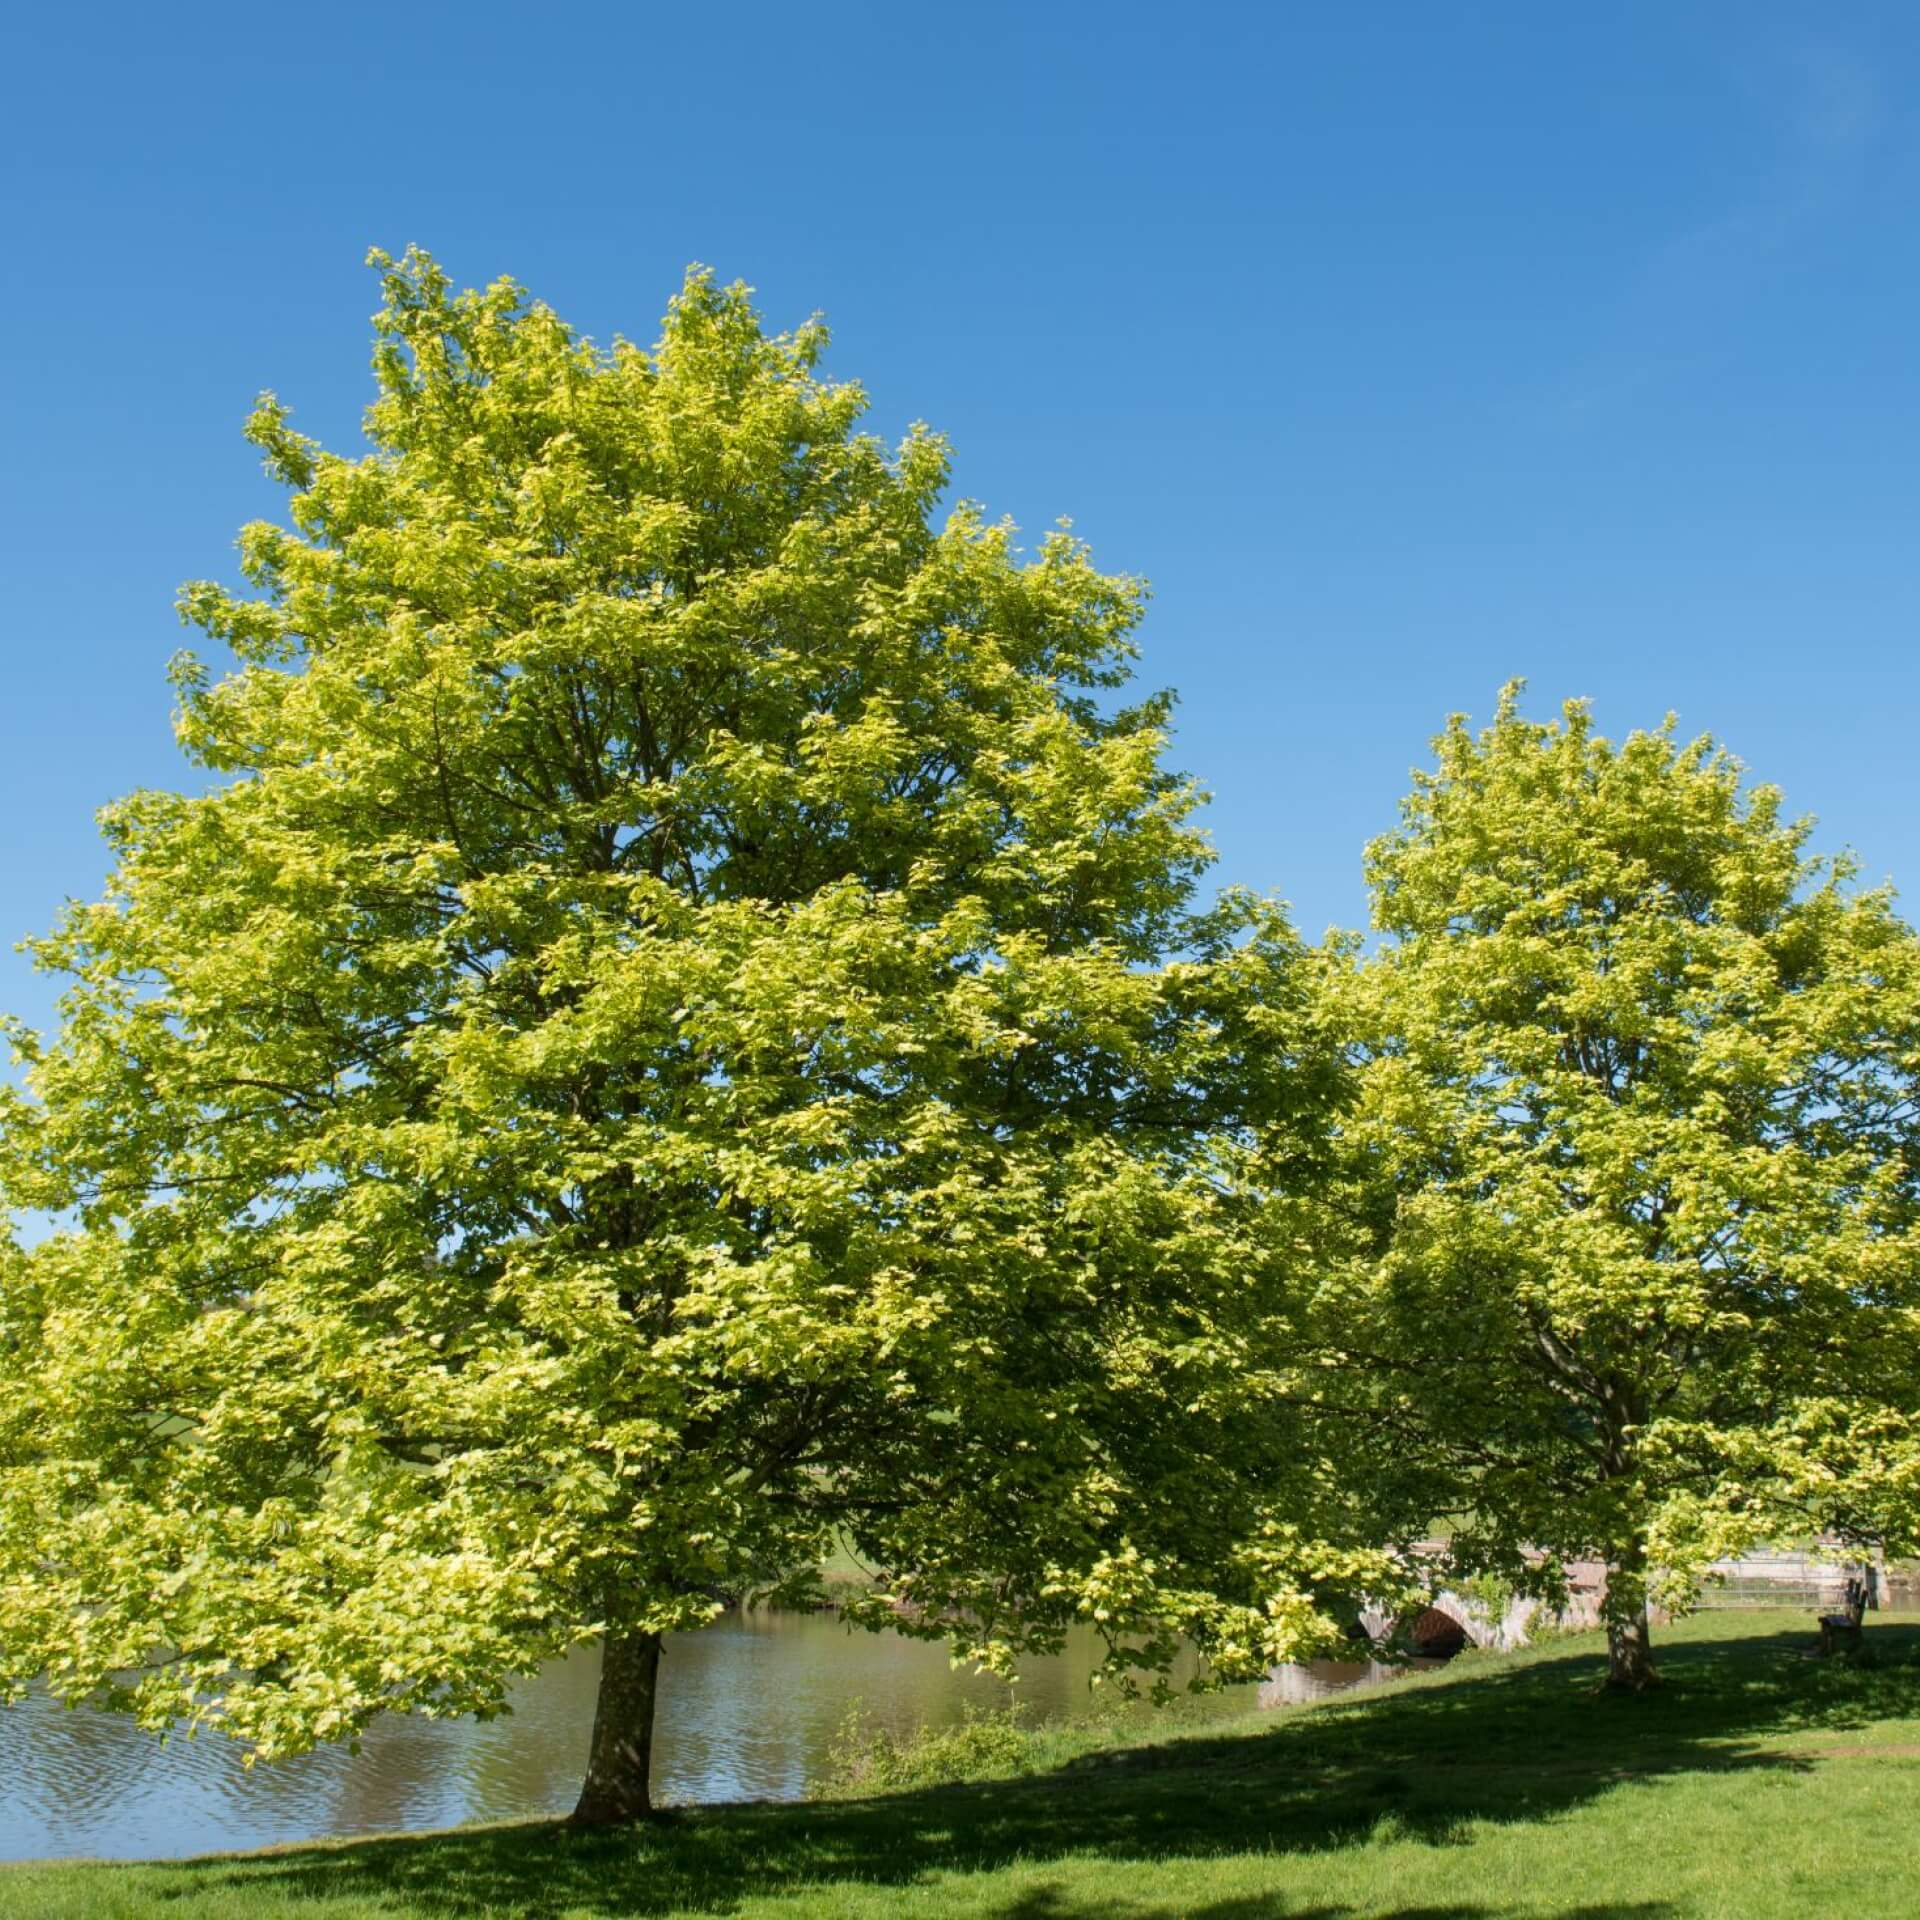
1636,1139
984,1744
1491,1593
680,1028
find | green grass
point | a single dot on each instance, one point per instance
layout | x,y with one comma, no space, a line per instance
1757,1783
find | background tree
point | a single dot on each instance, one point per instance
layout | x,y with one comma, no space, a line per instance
657,1047
1641,1101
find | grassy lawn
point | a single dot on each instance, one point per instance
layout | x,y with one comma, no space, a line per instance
1756,1783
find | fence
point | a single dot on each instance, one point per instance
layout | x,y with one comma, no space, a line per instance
1796,1579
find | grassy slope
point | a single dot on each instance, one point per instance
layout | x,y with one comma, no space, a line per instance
1756,1784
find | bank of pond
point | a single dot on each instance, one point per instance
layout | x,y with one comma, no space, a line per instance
1757,1783
759,1706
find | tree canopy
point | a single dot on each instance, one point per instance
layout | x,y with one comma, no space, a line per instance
1639,1123
677,1028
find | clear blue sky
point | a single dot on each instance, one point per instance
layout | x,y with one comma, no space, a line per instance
1404,348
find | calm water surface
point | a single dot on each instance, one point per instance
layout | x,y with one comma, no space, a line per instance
748,1710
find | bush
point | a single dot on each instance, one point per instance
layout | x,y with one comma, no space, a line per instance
984,1745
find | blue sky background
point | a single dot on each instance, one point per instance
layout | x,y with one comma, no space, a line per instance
1404,348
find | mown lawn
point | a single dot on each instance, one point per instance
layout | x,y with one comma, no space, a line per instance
1756,1783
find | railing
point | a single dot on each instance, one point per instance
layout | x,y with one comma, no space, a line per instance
1791,1579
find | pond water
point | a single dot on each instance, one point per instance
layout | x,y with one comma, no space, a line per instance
748,1710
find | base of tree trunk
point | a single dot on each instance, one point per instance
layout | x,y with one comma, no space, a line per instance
616,1791
599,1818
1631,1683
1630,1667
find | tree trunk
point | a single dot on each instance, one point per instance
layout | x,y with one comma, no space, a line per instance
1630,1666
621,1757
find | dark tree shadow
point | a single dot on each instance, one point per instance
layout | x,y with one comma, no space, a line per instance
1044,1903
1517,1744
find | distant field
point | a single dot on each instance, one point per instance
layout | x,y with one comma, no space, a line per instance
1757,1784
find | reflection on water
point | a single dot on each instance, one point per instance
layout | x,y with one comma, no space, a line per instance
748,1710
1314,1679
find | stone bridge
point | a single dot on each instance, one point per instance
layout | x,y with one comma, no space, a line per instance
1780,1578
1475,1623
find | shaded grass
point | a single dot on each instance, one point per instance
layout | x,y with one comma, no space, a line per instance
1755,1783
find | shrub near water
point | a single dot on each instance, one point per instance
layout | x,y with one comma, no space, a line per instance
1006,1742
985,1744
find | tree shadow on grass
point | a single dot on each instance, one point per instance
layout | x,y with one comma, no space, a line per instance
1420,1760
1045,1903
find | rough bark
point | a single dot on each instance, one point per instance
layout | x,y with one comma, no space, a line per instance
621,1757
1630,1667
